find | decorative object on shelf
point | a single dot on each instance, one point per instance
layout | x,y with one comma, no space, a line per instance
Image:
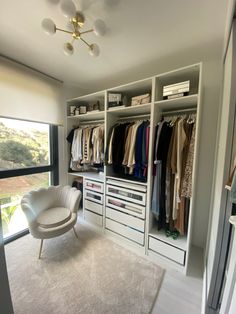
76,21
114,100
96,106
77,111
140,100
82,109
90,107
176,90
72,110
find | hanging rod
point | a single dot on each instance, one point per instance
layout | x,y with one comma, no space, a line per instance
135,117
174,112
91,121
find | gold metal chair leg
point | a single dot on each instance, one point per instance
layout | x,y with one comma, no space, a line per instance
75,233
40,249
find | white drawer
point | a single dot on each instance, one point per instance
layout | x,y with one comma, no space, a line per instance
125,219
93,196
94,186
126,194
167,250
128,185
126,207
125,231
93,218
94,207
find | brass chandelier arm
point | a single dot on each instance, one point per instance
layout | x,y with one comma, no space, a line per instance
88,31
64,31
86,43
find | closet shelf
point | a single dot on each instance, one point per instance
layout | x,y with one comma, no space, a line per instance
128,111
178,103
89,116
126,180
88,98
99,176
180,242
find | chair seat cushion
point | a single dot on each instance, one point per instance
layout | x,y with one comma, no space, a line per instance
54,217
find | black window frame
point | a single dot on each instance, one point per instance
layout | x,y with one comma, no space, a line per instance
52,168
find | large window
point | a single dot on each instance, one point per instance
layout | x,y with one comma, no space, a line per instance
28,160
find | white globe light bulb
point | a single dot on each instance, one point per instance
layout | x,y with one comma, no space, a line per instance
99,27
68,8
68,49
48,26
94,50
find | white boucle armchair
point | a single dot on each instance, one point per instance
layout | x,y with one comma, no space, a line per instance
51,211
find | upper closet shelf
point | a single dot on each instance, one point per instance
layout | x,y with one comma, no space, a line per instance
99,115
182,102
132,110
98,176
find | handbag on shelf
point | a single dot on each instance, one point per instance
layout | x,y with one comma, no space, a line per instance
140,100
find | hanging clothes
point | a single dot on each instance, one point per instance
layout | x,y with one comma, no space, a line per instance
87,147
172,173
128,148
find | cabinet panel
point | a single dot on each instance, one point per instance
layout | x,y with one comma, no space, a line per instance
94,186
93,196
125,219
125,231
167,250
93,218
126,207
127,194
94,207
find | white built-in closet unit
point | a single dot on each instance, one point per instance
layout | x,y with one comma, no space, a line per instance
134,224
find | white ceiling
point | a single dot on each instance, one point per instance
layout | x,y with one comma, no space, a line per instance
140,33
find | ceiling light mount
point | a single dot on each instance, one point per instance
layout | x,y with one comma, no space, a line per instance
77,20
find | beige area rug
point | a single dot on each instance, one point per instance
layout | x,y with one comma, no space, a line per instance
86,275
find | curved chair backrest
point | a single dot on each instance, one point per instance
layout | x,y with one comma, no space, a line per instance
34,202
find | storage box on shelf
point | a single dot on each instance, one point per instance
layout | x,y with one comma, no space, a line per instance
128,91
121,205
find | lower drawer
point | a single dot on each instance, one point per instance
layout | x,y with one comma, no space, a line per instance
125,231
125,219
167,250
93,218
94,207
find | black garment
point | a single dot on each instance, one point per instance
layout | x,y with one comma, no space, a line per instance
118,147
70,136
162,151
138,151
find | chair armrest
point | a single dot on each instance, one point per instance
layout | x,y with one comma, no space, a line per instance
29,213
73,199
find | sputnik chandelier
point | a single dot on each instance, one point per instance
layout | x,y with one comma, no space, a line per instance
76,21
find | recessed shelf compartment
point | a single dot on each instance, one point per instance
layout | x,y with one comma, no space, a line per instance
134,88
190,73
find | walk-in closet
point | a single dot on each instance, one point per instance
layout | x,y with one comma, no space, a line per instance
139,177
